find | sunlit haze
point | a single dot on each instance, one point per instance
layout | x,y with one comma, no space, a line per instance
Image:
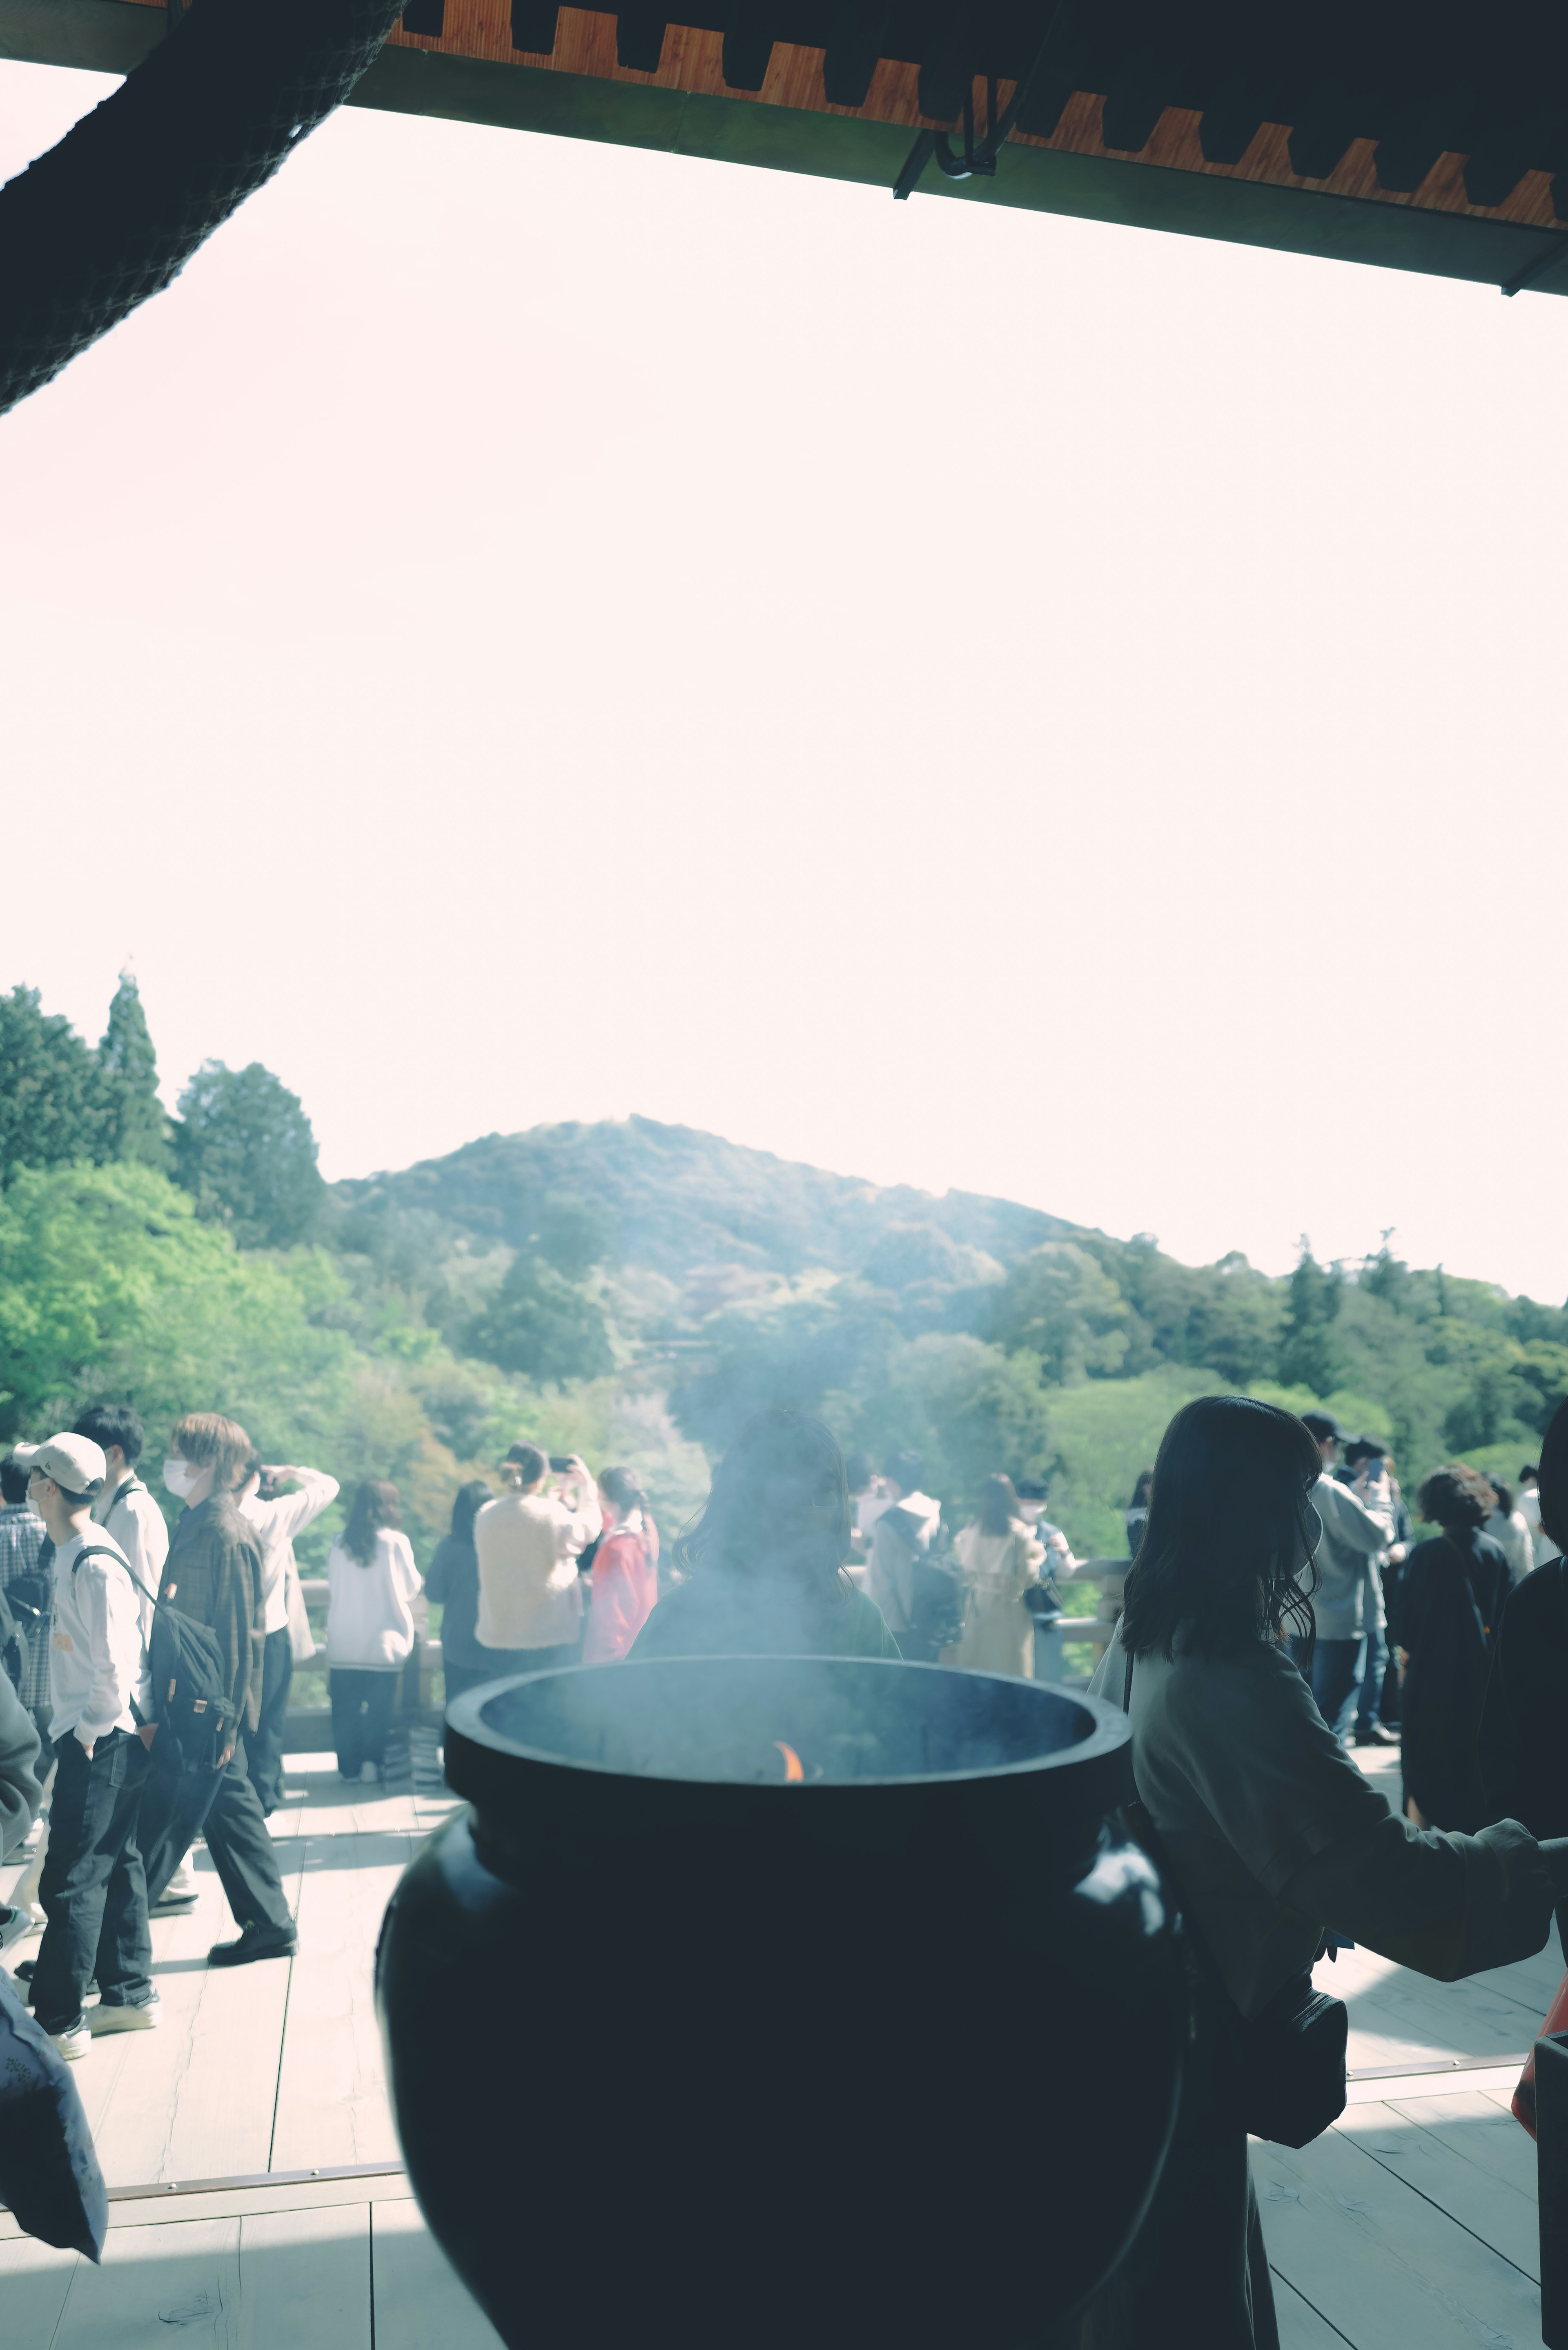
527,631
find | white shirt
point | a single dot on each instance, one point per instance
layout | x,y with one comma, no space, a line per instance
277,1523
130,1517
369,1622
1544,1548
97,1661
530,1592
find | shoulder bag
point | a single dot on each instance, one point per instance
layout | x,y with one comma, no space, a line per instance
1285,2067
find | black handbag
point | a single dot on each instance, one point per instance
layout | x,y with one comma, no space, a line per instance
1283,2070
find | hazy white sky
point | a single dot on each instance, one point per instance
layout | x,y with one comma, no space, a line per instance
528,630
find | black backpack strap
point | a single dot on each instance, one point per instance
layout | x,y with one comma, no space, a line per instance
107,1550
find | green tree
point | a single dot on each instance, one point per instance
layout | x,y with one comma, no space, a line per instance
965,1406
1310,1357
130,1064
56,1103
573,1234
1061,1305
543,1326
245,1152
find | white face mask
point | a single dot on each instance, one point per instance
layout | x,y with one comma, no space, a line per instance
179,1477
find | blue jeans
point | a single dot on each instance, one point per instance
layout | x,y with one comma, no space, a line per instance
1338,1668
1369,1705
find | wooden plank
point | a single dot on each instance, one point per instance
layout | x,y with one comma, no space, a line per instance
420,2299
1460,2153
156,2284
270,2280
1494,2080
194,2099
306,2281
35,2280
1534,1982
1386,2268
331,2100
195,2096
1399,2019
1301,2327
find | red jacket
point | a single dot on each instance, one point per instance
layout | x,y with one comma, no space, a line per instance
626,1585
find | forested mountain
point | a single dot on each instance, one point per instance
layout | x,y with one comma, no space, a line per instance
635,1290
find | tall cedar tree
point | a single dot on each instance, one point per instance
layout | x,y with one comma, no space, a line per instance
126,1056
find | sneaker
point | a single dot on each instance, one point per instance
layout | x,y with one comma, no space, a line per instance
255,1942
75,2040
138,2015
369,1775
1376,1733
16,1925
182,1886
172,1905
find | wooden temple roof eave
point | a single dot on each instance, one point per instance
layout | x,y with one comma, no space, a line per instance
417,76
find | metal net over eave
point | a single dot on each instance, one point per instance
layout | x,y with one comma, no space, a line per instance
114,211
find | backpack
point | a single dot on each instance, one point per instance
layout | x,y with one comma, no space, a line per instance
15,1652
190,1688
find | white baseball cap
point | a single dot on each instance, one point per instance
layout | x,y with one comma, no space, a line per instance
75,1462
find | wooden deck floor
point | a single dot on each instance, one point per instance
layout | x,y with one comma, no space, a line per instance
1410,2226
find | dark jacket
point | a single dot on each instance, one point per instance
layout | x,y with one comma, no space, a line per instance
1451,1608
454,1580
1524,1720
214,1573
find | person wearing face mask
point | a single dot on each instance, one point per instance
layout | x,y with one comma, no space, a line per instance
214,1575
94,1887
1272,1835
125,1508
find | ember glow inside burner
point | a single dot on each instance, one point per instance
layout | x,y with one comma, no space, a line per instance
747,1979
843,1720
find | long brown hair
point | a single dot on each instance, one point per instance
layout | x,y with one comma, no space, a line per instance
374,1506
998,1505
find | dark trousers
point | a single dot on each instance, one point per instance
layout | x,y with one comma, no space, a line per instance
361,1716
1197,2271
94,1889
501,1661
1369,1704
1337,1670
263,1744
222,1805
460,1678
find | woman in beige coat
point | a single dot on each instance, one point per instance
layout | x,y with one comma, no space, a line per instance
1001,1558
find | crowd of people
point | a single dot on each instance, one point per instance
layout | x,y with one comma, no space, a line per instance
147,1673
1278,1608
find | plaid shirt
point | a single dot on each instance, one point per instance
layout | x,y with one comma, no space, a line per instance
21,1540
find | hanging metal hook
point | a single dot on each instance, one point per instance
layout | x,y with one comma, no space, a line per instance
978,163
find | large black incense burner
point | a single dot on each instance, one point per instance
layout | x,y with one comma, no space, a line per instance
783,2000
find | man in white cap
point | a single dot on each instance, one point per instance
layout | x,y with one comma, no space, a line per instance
94,1890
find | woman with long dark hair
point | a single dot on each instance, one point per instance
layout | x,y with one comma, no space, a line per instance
1001,1558
763,1563
625,1568
454,1582
1272,1835
371,1579
1451,1599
